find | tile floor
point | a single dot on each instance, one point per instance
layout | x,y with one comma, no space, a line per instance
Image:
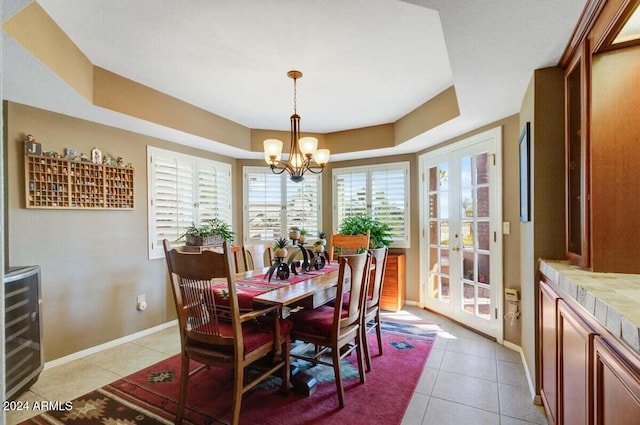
467,378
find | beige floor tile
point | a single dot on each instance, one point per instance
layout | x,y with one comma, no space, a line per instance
71,380
512,374
435,358
516,402
427,381
506,420
126,358
166,341
466,390
24,408
473,346
465,364
443,412
416,409
508,355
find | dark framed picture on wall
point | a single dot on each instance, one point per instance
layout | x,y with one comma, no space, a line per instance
525,173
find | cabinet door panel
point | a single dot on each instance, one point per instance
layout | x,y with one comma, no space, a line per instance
548,347
575,344
617,386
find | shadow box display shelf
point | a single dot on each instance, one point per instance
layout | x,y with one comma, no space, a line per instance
56,183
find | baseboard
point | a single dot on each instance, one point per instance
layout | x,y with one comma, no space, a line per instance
407,302
532,389
84,353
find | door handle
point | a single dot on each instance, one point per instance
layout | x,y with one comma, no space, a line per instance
456,248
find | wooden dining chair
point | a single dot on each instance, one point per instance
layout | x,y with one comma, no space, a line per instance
213,332
257,256
371,310
337,328
348,244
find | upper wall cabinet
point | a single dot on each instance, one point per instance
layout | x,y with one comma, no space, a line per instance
602,100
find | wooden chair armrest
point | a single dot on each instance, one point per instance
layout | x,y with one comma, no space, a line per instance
250,315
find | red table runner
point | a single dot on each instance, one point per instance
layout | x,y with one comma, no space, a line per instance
247,288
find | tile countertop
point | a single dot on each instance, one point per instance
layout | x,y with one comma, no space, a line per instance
612,298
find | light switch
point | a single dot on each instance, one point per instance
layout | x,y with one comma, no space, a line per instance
506,228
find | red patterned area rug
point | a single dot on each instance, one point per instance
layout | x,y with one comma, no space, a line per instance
149,396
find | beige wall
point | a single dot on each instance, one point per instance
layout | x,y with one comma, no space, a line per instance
543,236
94,262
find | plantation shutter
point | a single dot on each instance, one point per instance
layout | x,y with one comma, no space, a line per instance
214,191
350,194
303,205
381,192
389,201
183,190
273,204
263,205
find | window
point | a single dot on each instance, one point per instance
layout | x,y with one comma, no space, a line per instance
379,191
184,189
273,204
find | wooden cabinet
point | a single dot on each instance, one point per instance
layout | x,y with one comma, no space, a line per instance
587,376
393,287
577,171
548,350
55,183
575,367
601,133
617,384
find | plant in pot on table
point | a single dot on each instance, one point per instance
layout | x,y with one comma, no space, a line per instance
303,236
279,266
379,232
211,232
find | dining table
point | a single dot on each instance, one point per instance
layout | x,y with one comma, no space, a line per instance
309,289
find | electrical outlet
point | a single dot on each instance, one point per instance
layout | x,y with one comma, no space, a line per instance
511,294
141,302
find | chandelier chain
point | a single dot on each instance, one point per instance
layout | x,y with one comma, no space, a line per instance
295,96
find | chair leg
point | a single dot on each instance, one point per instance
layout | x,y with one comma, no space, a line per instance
238,383
360,354
378,334
286,369
365,342
335,353
184,381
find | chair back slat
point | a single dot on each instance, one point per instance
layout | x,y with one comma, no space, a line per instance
379,264
202,316
348,244
352,277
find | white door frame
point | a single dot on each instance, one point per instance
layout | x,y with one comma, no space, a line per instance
496,219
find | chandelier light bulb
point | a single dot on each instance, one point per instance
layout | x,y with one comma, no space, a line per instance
308,145
321,156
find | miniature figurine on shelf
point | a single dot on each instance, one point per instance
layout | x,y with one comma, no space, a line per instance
106,160
69,153
120,161
84,157
129,165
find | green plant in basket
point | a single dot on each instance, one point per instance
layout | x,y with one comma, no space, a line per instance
210,232
294,233
303,235
379,232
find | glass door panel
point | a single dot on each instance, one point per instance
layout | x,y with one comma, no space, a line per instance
459,250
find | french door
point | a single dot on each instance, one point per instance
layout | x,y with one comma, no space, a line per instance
461,243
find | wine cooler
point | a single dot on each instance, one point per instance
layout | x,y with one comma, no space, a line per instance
23,328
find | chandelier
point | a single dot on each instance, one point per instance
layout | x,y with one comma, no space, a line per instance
303,149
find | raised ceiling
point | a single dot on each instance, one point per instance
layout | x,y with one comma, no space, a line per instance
364,62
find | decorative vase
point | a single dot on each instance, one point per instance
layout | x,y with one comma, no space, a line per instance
281,252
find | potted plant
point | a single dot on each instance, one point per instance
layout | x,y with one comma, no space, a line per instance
303,236
280,247
379,233
318,246
294,233
322,237
211,232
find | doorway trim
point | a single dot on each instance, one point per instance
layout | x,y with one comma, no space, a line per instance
494,134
